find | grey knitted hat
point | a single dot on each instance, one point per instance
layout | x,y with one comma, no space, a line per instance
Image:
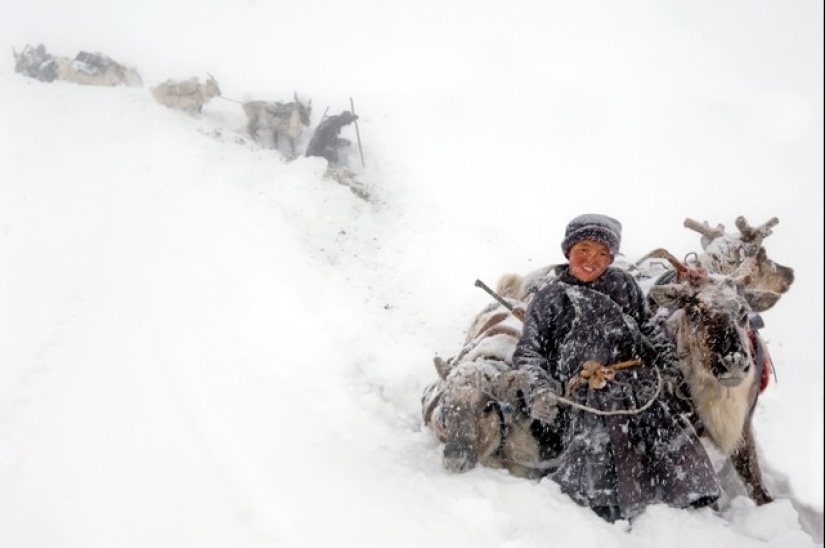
591,226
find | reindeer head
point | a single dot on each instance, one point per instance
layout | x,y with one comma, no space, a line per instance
211,88
470,427
35,62
724,253
304,110
465,417
710,322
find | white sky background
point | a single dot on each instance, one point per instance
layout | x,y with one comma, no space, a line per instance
165,294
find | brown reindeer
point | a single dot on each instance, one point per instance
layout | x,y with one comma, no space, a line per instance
710,325
724,393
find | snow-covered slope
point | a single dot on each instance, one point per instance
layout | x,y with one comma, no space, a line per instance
203,345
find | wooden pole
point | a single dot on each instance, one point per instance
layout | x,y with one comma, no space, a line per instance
357,133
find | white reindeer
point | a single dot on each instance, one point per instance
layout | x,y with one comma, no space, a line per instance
282,119
187,95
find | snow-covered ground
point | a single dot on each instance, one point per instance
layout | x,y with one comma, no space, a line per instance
204,345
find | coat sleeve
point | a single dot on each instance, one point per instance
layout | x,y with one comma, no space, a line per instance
537,344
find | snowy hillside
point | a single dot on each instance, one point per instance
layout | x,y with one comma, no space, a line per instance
210,346
204,345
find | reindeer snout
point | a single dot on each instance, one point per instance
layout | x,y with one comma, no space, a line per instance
459,456
735,368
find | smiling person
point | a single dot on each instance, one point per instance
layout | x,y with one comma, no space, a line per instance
590,337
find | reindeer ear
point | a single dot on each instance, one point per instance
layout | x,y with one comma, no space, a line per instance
748,267
760,299
671,296
442,367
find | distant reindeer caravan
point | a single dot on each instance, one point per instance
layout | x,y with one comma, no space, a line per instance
278,125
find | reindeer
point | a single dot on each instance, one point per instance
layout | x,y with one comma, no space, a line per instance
474,406
35,63
710,326
282,119
187,95
724,253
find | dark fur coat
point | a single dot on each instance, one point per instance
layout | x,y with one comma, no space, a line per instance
620,462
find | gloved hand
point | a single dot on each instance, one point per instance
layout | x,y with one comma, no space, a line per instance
544,407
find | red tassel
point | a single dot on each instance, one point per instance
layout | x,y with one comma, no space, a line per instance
766,365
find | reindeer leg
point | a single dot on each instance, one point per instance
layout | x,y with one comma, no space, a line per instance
745,462
291,142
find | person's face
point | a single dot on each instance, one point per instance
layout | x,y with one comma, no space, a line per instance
588,260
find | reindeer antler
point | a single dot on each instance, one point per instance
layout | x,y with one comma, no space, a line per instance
704,228
760,232
693,275
662,253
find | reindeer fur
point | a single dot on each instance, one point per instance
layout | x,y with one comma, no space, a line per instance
723,410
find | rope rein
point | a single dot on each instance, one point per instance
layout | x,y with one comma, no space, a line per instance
597,375
636,411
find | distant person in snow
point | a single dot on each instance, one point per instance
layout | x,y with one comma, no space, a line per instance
589,335
325,141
